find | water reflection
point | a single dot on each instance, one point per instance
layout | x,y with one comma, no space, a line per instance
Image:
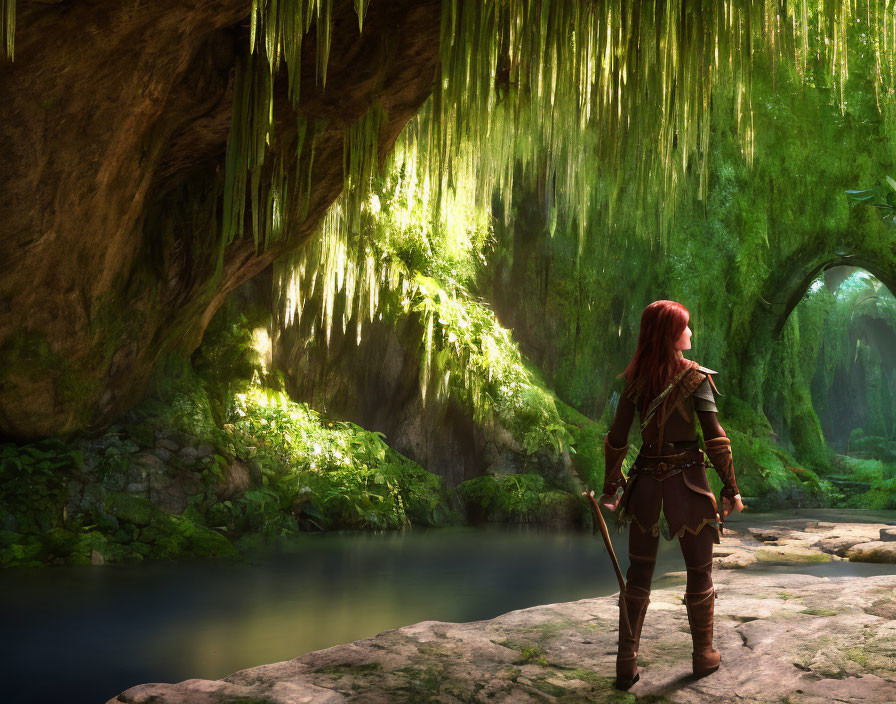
86,634
333,589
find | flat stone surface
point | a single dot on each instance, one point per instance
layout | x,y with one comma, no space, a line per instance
783,637
800,540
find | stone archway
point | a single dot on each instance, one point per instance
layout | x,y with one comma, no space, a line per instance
782,291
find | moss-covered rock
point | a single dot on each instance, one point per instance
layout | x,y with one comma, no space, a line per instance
18,550
132,509
60,542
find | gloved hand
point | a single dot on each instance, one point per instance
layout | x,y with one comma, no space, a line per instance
730,505
611,501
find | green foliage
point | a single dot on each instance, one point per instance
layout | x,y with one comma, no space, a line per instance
515,498
34,495
872,446
307,472
33,483
532,654
511,496
404,262
882,197
880,477
476,359
227,363
179,400
588,444
322,474
767,475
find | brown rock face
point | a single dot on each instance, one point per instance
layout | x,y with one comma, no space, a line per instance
113,126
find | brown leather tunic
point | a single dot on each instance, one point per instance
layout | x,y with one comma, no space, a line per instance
684,495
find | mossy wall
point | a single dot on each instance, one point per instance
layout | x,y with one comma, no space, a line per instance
740,260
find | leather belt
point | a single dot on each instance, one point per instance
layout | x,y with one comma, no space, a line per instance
667,466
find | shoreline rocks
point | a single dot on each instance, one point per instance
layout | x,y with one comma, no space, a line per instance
800,540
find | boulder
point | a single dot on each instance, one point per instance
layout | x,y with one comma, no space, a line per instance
165,443
840,546
204,450
888,535
188,454
171,494
129,508
875,551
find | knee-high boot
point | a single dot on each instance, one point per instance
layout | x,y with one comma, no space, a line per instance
700,606
636,601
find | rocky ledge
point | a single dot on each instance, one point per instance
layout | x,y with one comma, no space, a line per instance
790,638
800,540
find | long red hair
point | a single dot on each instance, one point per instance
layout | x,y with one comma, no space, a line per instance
656,360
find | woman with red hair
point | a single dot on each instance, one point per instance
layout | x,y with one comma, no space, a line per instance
669,473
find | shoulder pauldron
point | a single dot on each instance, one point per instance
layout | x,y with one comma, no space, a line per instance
708,374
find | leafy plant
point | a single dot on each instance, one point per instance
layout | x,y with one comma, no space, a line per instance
885,196
33,482
320,473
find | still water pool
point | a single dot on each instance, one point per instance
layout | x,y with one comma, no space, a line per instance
86,634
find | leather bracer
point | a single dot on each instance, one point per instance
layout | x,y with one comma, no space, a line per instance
613,457
719,452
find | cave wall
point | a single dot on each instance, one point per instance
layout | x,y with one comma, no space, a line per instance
375,383
113,127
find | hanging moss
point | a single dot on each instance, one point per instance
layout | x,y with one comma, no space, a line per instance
373,271
620,92
612,89
8,28
277,29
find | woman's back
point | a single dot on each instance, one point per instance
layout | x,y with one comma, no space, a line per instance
690,391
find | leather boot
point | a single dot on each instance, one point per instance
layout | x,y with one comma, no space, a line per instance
636,601
700,606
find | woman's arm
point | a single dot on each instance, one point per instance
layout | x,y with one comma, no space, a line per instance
718,447
709,421
622,423
615,450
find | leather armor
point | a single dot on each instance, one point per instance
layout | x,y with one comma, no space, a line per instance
613,457
719,451
670,476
